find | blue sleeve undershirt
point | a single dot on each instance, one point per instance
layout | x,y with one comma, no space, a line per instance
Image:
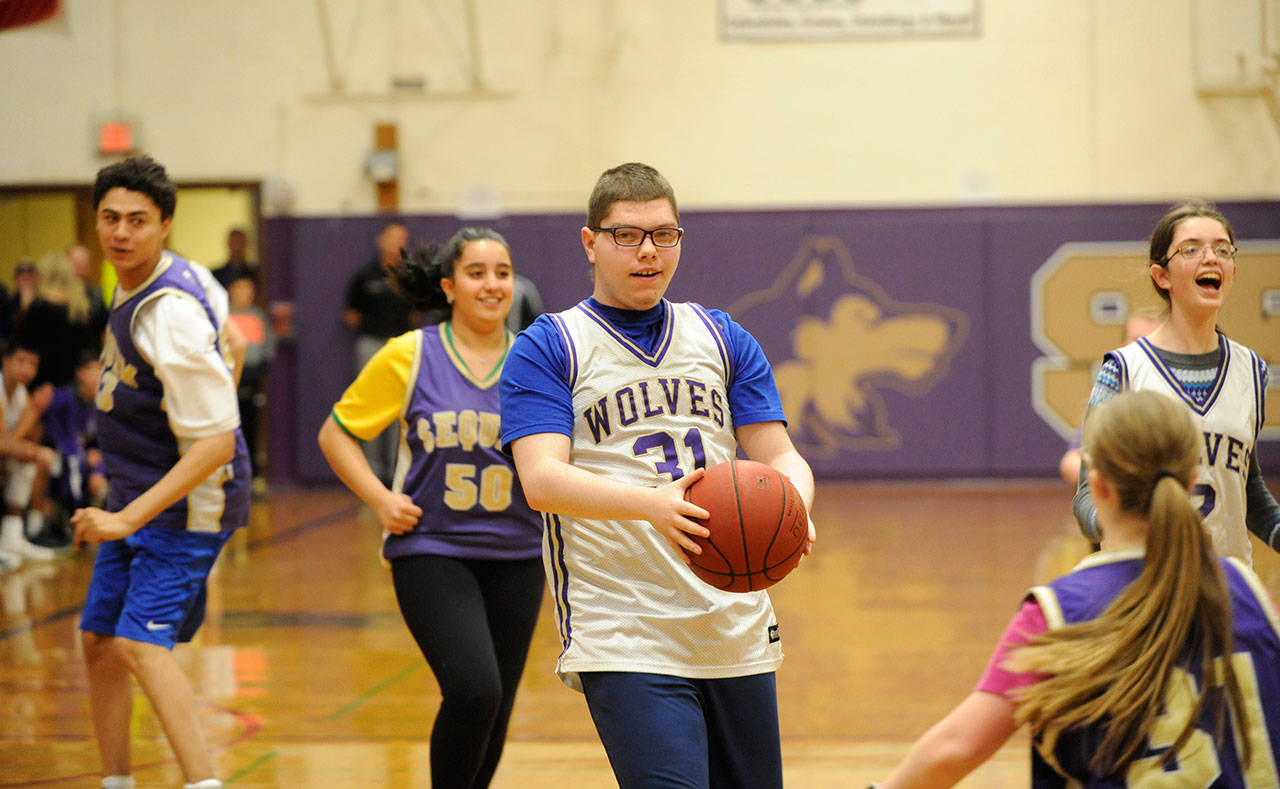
535,392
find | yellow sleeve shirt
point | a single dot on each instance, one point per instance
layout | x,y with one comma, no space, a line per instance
377,397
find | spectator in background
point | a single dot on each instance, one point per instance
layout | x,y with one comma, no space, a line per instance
25,282
59,322
82,264
71,428
238,264
377,313
526,304
27,464
6,302
261,340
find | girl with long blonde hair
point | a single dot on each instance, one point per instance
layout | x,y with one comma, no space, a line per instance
1153,659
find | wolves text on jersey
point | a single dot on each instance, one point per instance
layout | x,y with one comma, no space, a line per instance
648,399
1234,453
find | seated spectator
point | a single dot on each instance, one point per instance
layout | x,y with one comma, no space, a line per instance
27,464
71,428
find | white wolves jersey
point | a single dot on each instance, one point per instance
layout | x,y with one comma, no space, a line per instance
1230,419
624,600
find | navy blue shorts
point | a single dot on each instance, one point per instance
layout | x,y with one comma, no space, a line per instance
150,586
660,730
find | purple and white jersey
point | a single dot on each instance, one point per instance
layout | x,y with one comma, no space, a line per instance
452,465
1230,418
1203,761
137,442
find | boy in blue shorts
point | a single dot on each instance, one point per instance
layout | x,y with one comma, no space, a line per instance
611,410
177,467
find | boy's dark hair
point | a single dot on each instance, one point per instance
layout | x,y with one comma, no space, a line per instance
138,174
14,344
85,357
632,181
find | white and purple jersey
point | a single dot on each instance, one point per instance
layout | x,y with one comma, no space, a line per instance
1203,761
1229,412
137,441
645,397
451,463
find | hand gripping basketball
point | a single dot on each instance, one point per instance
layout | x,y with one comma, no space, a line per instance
758,526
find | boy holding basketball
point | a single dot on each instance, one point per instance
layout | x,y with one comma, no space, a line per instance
611,410
168,427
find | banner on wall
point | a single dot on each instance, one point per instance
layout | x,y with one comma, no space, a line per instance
780,20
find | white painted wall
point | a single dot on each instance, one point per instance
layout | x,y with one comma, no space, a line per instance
1082,101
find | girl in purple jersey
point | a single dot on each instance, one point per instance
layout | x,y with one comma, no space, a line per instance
1121,667
463,545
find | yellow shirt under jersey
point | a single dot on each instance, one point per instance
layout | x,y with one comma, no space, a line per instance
376,398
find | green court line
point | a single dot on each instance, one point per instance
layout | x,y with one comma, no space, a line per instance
375,690
250,767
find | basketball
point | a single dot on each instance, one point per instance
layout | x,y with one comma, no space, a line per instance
758,526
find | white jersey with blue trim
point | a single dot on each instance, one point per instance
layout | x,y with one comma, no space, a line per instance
624,600
1229,418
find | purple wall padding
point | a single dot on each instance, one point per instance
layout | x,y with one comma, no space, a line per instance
965,270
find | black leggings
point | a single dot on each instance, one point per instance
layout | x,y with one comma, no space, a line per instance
473,620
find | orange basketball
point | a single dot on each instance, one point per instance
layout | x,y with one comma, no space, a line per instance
758,526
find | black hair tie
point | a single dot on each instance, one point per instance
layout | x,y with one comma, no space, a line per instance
1162,473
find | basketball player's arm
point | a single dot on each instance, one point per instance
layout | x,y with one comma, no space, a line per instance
1262,513
396,511
957,744
552,484
238,346
768,443
202,458
369,406
1105,387
200,404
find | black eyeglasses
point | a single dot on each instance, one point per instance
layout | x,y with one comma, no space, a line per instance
634,236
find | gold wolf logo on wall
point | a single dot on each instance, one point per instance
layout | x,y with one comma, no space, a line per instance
848,341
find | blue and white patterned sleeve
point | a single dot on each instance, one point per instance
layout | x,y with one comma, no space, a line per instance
1105,387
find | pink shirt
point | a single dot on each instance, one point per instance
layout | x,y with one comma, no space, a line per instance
1028,623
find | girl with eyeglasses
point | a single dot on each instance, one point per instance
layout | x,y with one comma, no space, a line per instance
1221,382
1154,662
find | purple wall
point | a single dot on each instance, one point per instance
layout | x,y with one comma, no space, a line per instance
965,270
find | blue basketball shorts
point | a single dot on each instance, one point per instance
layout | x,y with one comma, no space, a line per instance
660,730
150,586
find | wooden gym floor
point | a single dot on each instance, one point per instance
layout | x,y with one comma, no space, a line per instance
308,677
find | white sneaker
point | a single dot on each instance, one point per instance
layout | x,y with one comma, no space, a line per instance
9,561
28,550
34,524
14,540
